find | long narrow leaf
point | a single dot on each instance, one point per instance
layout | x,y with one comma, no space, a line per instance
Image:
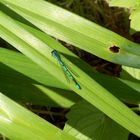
17,123
78,31
41,54
15,64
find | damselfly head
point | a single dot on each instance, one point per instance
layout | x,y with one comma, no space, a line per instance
54,53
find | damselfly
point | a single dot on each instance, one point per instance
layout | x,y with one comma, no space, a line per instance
65,68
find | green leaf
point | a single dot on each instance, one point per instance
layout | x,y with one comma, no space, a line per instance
131,77
17,65
133,72
135,16
124,3
17,123
86,122
18,73
40,53
77,31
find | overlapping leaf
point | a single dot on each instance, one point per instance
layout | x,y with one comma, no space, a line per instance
40,53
